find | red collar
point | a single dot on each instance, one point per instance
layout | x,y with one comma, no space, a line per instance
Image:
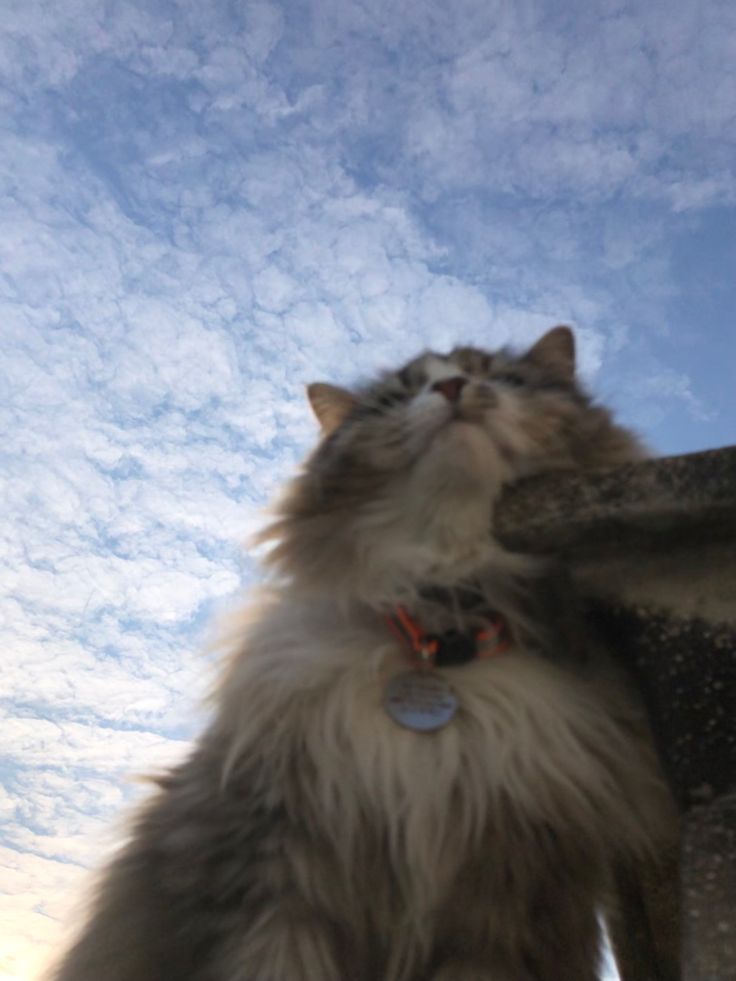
451,647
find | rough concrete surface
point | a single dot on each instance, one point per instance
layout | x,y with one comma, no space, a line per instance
651,548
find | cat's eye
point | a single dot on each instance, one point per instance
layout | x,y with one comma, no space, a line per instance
471,361
412,377
513,378
377,403
389,399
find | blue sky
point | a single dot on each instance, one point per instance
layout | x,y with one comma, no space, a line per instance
206,206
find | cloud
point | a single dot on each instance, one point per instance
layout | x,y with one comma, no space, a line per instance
205,208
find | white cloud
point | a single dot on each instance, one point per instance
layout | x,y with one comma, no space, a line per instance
36,896
206,207
37,741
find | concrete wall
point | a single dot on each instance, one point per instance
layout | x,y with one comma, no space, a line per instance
651,549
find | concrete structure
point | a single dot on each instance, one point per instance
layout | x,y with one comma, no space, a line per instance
651,548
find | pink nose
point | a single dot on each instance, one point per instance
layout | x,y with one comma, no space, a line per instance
450,387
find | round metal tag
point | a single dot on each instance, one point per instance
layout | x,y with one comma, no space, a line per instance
420,700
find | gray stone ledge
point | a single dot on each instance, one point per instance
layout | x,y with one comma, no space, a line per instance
638,505
650,549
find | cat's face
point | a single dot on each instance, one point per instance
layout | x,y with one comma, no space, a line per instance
416,459
493,416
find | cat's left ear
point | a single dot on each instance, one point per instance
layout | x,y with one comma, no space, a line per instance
330,404
555,352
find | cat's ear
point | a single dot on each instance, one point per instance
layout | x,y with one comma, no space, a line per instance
330,404
555,352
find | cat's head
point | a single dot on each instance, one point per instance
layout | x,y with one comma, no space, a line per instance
402,484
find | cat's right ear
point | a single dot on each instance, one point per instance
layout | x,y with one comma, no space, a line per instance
330,404
555,352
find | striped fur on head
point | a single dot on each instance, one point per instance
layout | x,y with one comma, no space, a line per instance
401,487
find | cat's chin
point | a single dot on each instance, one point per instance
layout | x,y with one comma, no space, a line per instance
464,446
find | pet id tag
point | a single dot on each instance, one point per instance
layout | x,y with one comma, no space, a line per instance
420,700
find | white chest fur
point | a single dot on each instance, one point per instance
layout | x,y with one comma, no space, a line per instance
525,732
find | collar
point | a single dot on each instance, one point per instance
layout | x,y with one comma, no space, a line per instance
452,647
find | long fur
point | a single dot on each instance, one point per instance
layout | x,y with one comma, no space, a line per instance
309,837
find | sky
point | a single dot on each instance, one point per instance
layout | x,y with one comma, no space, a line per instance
207,206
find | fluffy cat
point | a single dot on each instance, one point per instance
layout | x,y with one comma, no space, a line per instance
315,833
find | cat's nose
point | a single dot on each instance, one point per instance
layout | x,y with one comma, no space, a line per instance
450,387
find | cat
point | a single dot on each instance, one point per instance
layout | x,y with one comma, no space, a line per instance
410,773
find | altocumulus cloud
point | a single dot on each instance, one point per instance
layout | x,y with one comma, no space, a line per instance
205,207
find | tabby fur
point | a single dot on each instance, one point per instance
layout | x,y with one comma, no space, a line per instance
308,836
